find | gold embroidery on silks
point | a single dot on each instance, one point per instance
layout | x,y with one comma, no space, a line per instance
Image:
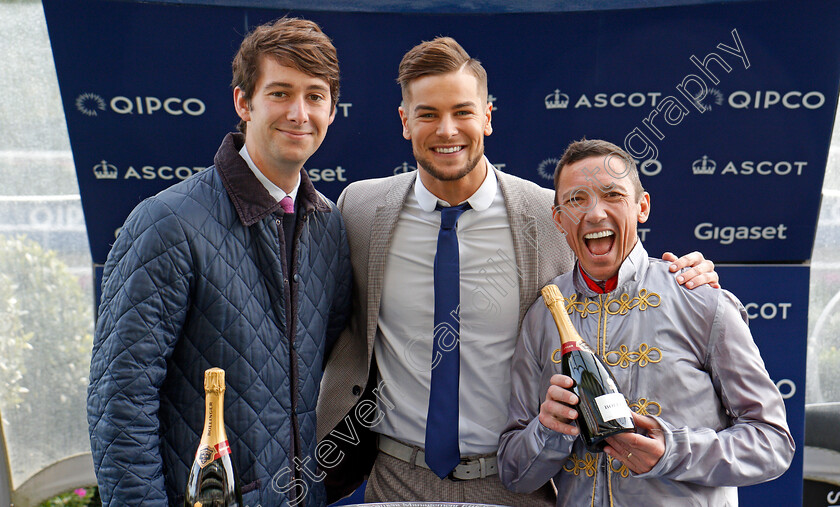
587,464
622,469
646,407
619,306
602,327
626,356
584,308
624,303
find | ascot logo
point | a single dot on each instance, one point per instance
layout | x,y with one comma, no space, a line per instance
404,168
559,100
707,166
105,171
767,311
90,104
703,166
556,100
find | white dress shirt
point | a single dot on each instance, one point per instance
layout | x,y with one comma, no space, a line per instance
276,192
489,317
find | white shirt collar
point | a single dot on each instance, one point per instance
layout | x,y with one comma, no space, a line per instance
276,192
479,201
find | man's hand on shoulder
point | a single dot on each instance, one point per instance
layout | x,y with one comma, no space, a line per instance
702,270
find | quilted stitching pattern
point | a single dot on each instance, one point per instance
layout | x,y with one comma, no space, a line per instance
186,287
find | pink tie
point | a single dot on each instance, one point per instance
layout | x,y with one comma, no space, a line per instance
287,204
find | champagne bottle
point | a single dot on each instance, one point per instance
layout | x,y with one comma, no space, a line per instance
212,481
602,409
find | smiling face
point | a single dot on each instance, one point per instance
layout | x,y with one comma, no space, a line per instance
446,118
600,213
287,117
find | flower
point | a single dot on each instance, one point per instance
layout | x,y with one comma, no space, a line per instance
80,491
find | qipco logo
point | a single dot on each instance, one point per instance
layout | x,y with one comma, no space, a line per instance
91,104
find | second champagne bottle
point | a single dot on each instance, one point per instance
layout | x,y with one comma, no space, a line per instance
213,481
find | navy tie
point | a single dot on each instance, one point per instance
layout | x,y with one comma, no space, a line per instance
442,453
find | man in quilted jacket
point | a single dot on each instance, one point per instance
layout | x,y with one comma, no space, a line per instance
244,266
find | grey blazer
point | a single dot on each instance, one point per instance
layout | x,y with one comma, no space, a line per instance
371,209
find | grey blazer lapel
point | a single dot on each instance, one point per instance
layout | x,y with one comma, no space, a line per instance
526,240
384,222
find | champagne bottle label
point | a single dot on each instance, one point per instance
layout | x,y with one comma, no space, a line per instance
208,453
204,455
222,449
613,406
569,347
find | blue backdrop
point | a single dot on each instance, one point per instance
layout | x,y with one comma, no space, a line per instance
728,105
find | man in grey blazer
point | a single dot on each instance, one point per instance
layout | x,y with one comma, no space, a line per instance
375,394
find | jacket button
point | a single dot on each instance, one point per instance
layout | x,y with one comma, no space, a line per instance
357,390
297,277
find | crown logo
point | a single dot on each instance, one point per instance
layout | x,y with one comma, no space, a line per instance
404,168
556,100
105,171
704,166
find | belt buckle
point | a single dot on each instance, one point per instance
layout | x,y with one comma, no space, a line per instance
451,475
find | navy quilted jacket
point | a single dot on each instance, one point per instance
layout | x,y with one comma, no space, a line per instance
195,280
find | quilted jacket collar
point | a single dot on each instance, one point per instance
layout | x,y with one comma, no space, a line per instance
251,200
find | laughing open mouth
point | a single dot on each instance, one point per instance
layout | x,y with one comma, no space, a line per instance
599,243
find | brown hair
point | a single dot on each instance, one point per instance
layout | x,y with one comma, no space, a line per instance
293,42
439,56
585,148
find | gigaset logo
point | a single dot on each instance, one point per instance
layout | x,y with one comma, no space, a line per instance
91,104
730,233
327,175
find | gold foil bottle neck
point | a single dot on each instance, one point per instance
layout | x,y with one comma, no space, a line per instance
556,304
551,294
214,380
